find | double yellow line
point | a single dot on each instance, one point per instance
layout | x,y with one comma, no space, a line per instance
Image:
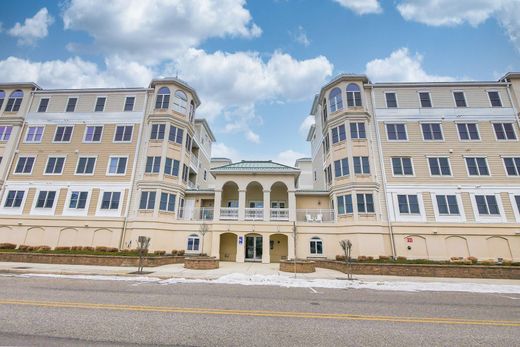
258,313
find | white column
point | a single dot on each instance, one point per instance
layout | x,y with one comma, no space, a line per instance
241,204
292,205
267,205
241,249
290,246
215,245
216,204
266,248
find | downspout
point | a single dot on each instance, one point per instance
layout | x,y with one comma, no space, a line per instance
133,179
383,175
511,100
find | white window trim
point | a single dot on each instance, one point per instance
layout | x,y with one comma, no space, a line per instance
77,163
397,140
13,210
499,97
56,130
505,168
469,122
187,242
432,140
25,156
110,213
513,123
403,175
421,217
133,106
488,219
93,125
156,206
460,218
45,211
455,101
316,238
40,101
117,156
75,107
34,126
104,105
67,211
357,139
361,162
430,97
6,126
439,156
355,204
396,99
516,211
477,156
47,162
123,125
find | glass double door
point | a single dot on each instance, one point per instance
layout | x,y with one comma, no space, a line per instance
253,248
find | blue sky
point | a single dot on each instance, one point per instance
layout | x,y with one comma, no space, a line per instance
256,64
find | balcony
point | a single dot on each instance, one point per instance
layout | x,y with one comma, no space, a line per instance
192,185
229,213
315,215
194,162
254,213
279,214
196,214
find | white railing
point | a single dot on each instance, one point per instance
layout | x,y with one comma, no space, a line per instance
279,214
192,185
254,213
194,161
229,213
196,214
315,215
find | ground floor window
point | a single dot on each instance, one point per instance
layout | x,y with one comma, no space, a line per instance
316,246
193,242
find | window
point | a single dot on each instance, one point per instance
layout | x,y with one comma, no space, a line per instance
14,198
468,131
188,142
78,200
180,102
2,98
185,172
171,167
408,204
425,99
14,102
34,134
71,105
100,104
123,133
391,100
192,111
54,165
460,99
336,103
512,166
439,166
361,166
341,168
339,134
117,165
63,134
167,202
357,130
24,165
93,133
494,99
396,132
328,175
193,242
345,204
431,131
316,246
402,166
326,144
129,103
324,111
163,98
517,200
353,95
5,132
477,166
487,205
45,199
43,105
365,203
110,200
157,132
205,175
86,166
447,205
504,131
153,164
175,135
147,201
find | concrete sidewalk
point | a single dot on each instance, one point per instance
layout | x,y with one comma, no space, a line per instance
226,268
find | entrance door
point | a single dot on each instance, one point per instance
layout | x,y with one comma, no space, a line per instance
253,248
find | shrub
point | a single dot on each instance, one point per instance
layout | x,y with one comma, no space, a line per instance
62,248
112,249
384,257
42,248
86,248
23,248
159,252
488,262
181,252
175,252
101,249
473,260
7,246
76,248
340,258
370,258
456,258
401,258
361,258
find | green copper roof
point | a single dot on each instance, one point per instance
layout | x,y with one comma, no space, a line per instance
255,166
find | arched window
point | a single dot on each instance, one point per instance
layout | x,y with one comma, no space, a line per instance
316,246
180,102
353,95
324,111
2,97
192,111
336,103
14,102
163,98
193,243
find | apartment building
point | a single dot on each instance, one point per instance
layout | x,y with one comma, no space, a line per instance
421,170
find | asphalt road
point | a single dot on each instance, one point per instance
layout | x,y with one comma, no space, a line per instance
42,311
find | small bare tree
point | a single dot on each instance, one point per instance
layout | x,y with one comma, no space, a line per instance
203,231
142,245
346,245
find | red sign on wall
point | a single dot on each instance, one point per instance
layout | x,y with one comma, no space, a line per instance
409,239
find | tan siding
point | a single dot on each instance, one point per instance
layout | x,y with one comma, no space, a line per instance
94,202
468,209
62,196
29,200
508,208
428,206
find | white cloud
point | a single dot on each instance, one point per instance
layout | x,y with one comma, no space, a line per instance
306,125
361,6
288,157
220,150
33,29
401,66
156,30
473,12
301,37
252,136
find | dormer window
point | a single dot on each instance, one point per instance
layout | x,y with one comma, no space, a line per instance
163,98
353,95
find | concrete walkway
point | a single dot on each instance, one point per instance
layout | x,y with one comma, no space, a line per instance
226,268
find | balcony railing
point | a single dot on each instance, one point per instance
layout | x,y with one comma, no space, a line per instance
315,215
229,213
279,214
196,214
254,213
194,161
192,185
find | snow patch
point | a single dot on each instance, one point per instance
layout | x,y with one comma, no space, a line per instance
94,277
